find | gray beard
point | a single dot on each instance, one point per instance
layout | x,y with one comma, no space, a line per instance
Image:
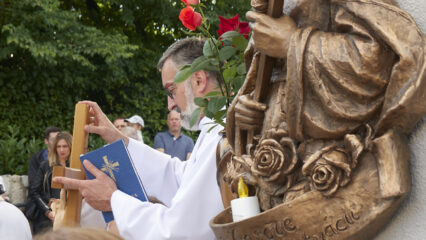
190,108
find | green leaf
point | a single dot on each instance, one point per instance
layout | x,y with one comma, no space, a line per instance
203,63
237,83
241,69
216,104
195,116
227,52
220,115
230,34
183,74
201,102
227,42
208,113
211,128
240,42
209,48
213,94
229,73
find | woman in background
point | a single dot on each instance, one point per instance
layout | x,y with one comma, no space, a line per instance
41,191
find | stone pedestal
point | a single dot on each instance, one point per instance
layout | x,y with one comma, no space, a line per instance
16,188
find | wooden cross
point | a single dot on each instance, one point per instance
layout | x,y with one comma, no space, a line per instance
264,73
70,203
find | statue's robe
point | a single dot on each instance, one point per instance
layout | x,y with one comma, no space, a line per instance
350,63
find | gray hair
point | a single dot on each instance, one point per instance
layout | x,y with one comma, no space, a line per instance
173,110
184,52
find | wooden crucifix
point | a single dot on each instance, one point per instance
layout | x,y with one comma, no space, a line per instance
68,212
264,73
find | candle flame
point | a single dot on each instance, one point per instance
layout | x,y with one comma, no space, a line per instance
242,188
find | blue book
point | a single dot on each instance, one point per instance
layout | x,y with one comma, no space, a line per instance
115,161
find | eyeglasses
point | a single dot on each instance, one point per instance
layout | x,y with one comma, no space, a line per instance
169,88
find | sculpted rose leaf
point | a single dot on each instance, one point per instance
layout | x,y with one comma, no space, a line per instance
328,170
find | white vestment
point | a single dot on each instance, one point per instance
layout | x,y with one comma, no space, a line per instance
91,217
13,224
188,189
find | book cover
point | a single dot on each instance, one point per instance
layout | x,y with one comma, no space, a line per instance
115,161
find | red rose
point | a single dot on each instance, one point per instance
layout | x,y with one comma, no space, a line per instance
189,18
244,29
233,24
192,2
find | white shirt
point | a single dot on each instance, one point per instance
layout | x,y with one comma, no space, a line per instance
188,189
91,217
13,224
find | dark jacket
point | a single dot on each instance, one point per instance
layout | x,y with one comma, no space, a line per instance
40,191
34,164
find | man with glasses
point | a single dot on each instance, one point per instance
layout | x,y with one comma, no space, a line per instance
188,189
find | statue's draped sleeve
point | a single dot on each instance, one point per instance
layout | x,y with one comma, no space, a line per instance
371,61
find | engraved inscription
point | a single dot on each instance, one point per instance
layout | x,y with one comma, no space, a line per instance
269,231
340,225
287,230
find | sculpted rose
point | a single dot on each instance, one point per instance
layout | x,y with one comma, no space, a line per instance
189,18
273,161
328,170
272,167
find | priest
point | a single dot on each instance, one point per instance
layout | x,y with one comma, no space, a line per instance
188,189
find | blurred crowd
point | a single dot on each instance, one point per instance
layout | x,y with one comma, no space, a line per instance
37,215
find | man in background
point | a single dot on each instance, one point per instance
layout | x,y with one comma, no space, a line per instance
136,122
130,132
33,167
34,163
173,142
119,123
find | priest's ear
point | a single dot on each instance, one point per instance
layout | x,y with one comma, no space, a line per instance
200,83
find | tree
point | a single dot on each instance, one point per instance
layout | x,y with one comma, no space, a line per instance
54,53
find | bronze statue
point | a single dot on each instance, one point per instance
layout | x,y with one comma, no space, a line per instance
324,147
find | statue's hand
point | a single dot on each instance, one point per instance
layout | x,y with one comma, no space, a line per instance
259,5
249,114
272,35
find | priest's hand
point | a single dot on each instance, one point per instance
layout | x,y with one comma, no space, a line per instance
101,125
97,192
272,35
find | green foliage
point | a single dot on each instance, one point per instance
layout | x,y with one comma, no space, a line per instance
16,150
54,53
225,56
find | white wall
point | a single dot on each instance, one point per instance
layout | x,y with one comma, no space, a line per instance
409,223
417,9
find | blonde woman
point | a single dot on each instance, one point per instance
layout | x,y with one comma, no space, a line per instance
41,191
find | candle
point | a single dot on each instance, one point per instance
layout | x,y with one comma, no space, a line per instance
244,207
